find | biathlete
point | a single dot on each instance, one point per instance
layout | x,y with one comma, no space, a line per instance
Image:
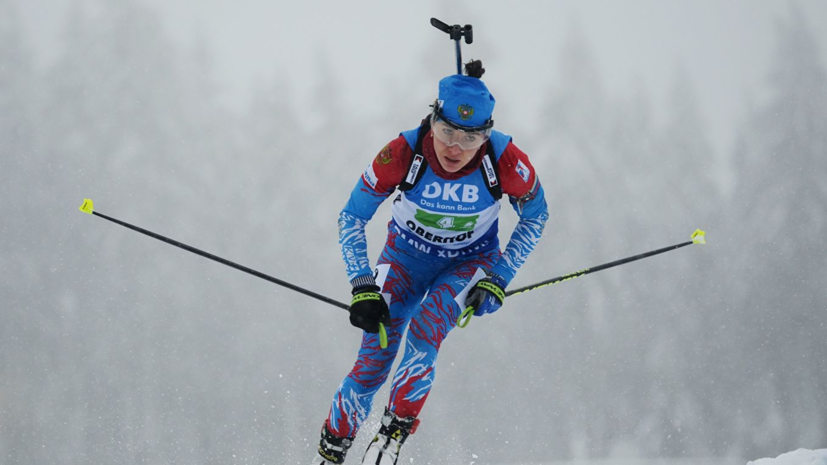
451,172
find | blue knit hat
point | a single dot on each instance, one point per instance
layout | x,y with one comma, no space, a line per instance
465,100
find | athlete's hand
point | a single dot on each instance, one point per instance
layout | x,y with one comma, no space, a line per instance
368,309
487,295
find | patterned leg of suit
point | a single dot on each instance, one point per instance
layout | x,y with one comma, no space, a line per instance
353,400
428,327
409,277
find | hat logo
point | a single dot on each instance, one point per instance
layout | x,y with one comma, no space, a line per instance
466,112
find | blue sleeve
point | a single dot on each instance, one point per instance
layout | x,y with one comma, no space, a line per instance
360,208
533,212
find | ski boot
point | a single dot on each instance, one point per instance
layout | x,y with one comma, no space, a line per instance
384,449
332,449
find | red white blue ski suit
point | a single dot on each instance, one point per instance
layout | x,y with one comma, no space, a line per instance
442,230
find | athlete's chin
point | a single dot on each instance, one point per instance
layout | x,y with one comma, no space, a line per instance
451,165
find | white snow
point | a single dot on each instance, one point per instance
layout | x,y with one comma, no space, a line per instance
798,457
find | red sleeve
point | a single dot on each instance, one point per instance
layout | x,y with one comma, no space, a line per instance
516,173
390,166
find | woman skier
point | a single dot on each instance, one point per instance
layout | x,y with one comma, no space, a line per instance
451,172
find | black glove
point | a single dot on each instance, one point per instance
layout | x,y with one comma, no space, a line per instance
487,295
368,309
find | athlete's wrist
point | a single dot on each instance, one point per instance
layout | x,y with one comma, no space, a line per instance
504,272
363,280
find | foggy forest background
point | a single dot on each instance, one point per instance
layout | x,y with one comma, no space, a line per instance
115,348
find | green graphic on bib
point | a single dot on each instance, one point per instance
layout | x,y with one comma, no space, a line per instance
446,222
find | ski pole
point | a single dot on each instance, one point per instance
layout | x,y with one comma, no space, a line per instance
698,237
88,207
456,32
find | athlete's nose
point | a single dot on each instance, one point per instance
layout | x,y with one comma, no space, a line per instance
455,149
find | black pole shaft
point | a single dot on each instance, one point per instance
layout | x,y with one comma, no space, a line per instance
225,262
577,274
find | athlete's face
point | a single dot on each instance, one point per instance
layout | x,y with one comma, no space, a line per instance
452,158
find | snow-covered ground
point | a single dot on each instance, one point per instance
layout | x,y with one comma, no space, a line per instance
798,457
660,461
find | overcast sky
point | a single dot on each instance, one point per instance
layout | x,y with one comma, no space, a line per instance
725,45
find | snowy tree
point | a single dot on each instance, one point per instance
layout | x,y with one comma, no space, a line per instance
585,194
19,320
624,185
781,207
680,196
126,124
